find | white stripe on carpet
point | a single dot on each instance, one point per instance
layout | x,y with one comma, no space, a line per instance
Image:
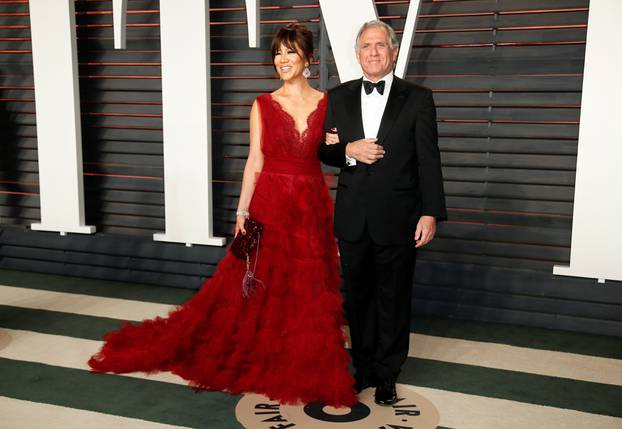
87,305
59,350
462,411
19,414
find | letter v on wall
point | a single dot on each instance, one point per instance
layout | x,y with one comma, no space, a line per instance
344,18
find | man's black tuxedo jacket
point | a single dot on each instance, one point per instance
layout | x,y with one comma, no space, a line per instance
393,193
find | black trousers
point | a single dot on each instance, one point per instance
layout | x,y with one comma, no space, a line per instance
378,283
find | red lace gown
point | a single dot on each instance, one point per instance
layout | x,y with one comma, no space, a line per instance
285,340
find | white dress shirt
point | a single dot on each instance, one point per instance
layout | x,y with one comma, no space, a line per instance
372,109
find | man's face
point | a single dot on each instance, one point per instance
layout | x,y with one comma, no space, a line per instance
375,55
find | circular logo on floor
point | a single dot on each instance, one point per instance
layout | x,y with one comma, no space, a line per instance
412,411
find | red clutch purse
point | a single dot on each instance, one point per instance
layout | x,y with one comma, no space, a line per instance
243,246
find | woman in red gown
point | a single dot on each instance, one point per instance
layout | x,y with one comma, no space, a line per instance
285,340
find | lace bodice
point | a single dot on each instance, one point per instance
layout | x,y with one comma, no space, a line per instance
280,137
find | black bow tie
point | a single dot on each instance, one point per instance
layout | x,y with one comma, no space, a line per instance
369,87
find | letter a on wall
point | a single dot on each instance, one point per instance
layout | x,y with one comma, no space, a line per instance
59,133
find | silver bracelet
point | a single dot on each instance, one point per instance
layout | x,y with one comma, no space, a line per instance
244,213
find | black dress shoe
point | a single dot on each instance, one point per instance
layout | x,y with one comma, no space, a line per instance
386,394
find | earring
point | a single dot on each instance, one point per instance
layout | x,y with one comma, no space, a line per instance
306,73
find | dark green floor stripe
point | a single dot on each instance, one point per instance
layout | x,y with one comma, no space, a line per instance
596,398
129,397
109,289
523,387
56,323
520,336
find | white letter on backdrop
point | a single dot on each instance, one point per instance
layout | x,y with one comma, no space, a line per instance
57,101
596,227
344,18
119,21
253,23
186,119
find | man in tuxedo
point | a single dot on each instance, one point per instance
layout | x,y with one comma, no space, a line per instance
381,132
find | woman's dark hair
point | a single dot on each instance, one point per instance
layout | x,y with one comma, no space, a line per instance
296,37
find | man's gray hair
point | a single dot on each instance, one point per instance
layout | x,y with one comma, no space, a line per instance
377,24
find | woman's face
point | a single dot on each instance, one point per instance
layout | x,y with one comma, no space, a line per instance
289,63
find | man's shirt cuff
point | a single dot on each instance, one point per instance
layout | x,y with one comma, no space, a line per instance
350,162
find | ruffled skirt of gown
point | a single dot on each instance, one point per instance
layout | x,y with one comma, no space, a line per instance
284,341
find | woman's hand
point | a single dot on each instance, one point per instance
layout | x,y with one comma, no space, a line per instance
239,225
331,138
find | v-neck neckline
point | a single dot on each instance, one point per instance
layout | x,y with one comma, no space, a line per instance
291,117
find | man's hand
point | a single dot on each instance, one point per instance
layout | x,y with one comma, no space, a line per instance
365,150
426,228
